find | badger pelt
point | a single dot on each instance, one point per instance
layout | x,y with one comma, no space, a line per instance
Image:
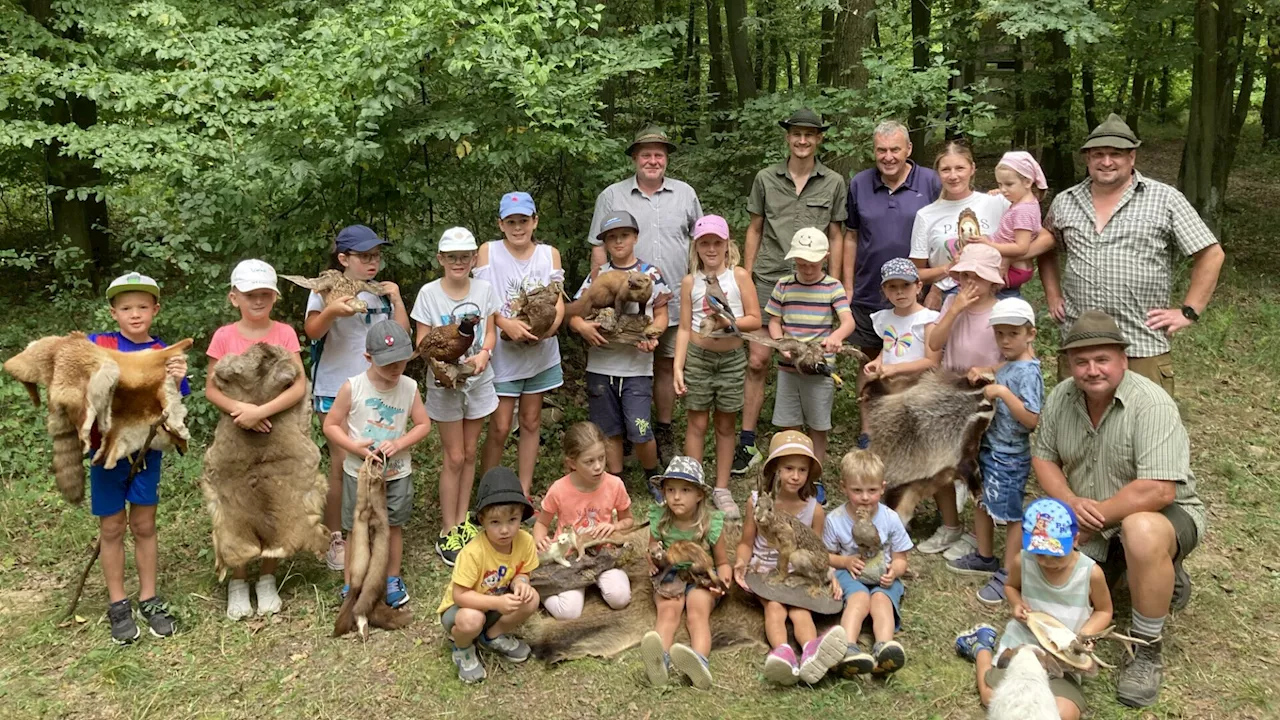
368,550
927,429
1023,692
264,491
122,394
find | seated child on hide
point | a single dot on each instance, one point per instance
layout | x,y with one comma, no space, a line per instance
490,595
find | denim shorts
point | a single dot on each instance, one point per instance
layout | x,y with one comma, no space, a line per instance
621,405
1004,482
851,586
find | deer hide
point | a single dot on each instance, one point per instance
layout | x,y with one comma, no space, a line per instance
122,394
264,491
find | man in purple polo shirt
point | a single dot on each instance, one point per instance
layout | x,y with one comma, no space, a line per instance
883,201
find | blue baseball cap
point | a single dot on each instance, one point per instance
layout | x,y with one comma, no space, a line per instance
517,203
357,238
1049,527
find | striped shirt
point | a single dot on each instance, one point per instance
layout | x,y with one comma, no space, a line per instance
1067,603
1140,436
1127,269
808,311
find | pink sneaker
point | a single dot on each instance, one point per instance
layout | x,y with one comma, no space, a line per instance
823,653
780,666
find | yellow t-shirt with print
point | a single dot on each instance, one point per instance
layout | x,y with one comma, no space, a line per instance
483,569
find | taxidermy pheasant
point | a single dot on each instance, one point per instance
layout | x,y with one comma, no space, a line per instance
807,357
448,343
333,284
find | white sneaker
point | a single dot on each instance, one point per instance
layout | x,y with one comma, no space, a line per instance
966,544
336,558
962,495
268,598
940,540
238,600
723,500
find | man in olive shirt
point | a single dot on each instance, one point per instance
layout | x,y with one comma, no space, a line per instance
796,193
1111,445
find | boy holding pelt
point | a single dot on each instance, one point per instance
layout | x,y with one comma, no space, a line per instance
370,416
490,595
135,301
620,378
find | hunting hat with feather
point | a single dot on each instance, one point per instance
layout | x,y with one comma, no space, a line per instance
792,442
500,486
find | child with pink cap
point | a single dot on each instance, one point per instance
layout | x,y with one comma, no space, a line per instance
1022,183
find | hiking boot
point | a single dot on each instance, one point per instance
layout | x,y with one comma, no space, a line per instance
745,458
450,544
993,592
692,664
123,629
509,647
966,544
469,668
156,612
238,599
657,663
890,657
336,558
780,666
723,500
940,540
856,661
1138,684
397,595
822,653
268,596
1181,586
978,637
974,564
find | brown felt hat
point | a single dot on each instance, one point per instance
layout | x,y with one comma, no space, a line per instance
651,134
1113,132
1091,329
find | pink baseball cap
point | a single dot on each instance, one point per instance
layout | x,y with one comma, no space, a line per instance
711,225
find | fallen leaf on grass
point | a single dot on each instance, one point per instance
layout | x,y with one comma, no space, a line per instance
289,678
297,656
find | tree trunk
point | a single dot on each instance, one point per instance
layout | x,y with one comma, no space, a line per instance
762,13
692,62
1230,140
1087,96
1162,102
827,51
791,73
1135,100
717,83
771,66
1213,74
1058,157
1021,137
1271,97
921,16
735,12
1148,93
854,30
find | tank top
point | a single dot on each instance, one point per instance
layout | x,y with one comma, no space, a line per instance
702,308
379,415
507,275
763,556
1069,602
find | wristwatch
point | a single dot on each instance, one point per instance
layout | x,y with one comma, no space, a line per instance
1190,313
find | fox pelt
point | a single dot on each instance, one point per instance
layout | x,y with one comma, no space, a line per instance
123,394
368,548
927,429
264,491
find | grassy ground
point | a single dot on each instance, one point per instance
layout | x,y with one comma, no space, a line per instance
1221,657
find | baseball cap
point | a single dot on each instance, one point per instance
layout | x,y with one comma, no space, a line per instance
711,225
516,203
809,244
613,221
457,239
899,269
387,342
357,238
1012,311
1049,527
252,275
133,282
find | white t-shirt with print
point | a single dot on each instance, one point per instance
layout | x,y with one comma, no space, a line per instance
434,307
902,338
837,532
342,348
935,224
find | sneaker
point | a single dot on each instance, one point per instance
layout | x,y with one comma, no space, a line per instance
397,595
966,544
450,544
820,493
468,529
856,662
268,597
780,666
1181,586
508,646
745,458
974,564
993,592
823,653
1138,684
657,663
692,664
940,540
238,600
976,638
123,629
344,592
469,668
890,657
159,620
336,558
723,500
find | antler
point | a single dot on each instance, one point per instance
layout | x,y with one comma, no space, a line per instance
1086,643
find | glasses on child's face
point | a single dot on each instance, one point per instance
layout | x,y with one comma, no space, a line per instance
369,258
456,258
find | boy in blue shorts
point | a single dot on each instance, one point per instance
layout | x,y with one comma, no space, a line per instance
135,300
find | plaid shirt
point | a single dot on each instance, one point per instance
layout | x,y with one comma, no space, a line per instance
1127,269
1140,436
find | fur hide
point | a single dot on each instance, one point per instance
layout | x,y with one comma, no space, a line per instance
927,429
122,394
263,490
368,552
1023,692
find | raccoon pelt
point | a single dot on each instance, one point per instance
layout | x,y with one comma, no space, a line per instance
1023,692
122,394
368,549
927,429
264,491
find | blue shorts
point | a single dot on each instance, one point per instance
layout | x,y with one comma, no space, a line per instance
621,405
1004,482
851,586
322,404
108,491
545,381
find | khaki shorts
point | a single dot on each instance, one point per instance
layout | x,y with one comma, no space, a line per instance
803,401
667,343
764,290
1158,369
1184,530
399,501
1063,687
715,380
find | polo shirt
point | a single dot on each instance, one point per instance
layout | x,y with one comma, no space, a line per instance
883,220
773,196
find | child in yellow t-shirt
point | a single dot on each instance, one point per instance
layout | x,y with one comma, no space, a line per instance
490,595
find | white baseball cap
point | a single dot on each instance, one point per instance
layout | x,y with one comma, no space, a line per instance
133,282
1012,311
252,275
458,239
809,244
